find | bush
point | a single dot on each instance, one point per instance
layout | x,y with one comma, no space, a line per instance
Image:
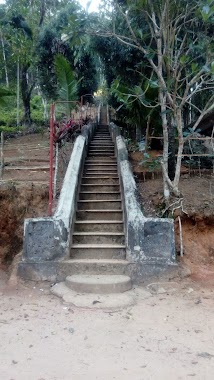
9,129
8,117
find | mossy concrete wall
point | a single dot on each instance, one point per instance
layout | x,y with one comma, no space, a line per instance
150,242
47,239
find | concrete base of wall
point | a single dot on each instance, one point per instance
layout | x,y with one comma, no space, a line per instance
56,271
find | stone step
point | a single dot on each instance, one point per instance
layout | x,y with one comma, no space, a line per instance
106,165
105,160
97,172
102,147
109,301
96,166
99,238
98,226
98,284
99,154
104,179
102,195
102,132
94,266
98,252
100,187
103,204
102,143
99,215
98,140
100,160
102,135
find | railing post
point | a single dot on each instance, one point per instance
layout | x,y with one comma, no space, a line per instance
50,204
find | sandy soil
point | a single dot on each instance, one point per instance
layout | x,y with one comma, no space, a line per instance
167,335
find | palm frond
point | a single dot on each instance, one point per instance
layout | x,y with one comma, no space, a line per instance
67,82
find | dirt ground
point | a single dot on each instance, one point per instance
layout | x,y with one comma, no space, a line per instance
167,335
197,213
24,188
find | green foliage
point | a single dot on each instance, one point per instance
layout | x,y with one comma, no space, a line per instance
151,163
4,93
67,83
48,46
7,129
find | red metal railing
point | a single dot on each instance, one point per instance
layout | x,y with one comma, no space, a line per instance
50,204
52,142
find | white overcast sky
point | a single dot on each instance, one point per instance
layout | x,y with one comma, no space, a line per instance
93,7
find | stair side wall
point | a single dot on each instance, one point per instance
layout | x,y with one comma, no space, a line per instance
48,239
150,242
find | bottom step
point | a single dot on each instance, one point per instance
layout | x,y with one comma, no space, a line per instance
94,301
99,284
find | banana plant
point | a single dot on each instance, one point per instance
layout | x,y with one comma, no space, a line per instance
67,82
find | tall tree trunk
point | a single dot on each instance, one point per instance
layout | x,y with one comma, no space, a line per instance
162,98
26,95
138,133
4,58
172,142
180,151
18,93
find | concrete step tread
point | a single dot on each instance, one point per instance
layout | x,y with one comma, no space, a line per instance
100,192
100,246
99,211
103,177
99,221
97,173
100,184
99,200
94,279
106,160
95,261
99,233
103,278
101,284
101,164
86,301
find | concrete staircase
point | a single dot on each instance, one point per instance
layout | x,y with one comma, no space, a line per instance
98,235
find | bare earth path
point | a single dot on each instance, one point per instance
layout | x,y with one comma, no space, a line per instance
166,335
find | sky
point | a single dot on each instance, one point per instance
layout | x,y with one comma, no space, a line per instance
93,7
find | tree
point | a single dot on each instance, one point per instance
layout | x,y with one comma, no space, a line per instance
22,23
65,35
175,38
67,83
4,93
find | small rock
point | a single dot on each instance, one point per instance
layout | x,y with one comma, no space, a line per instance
198,300
156,289
71,330
190,290
205,355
